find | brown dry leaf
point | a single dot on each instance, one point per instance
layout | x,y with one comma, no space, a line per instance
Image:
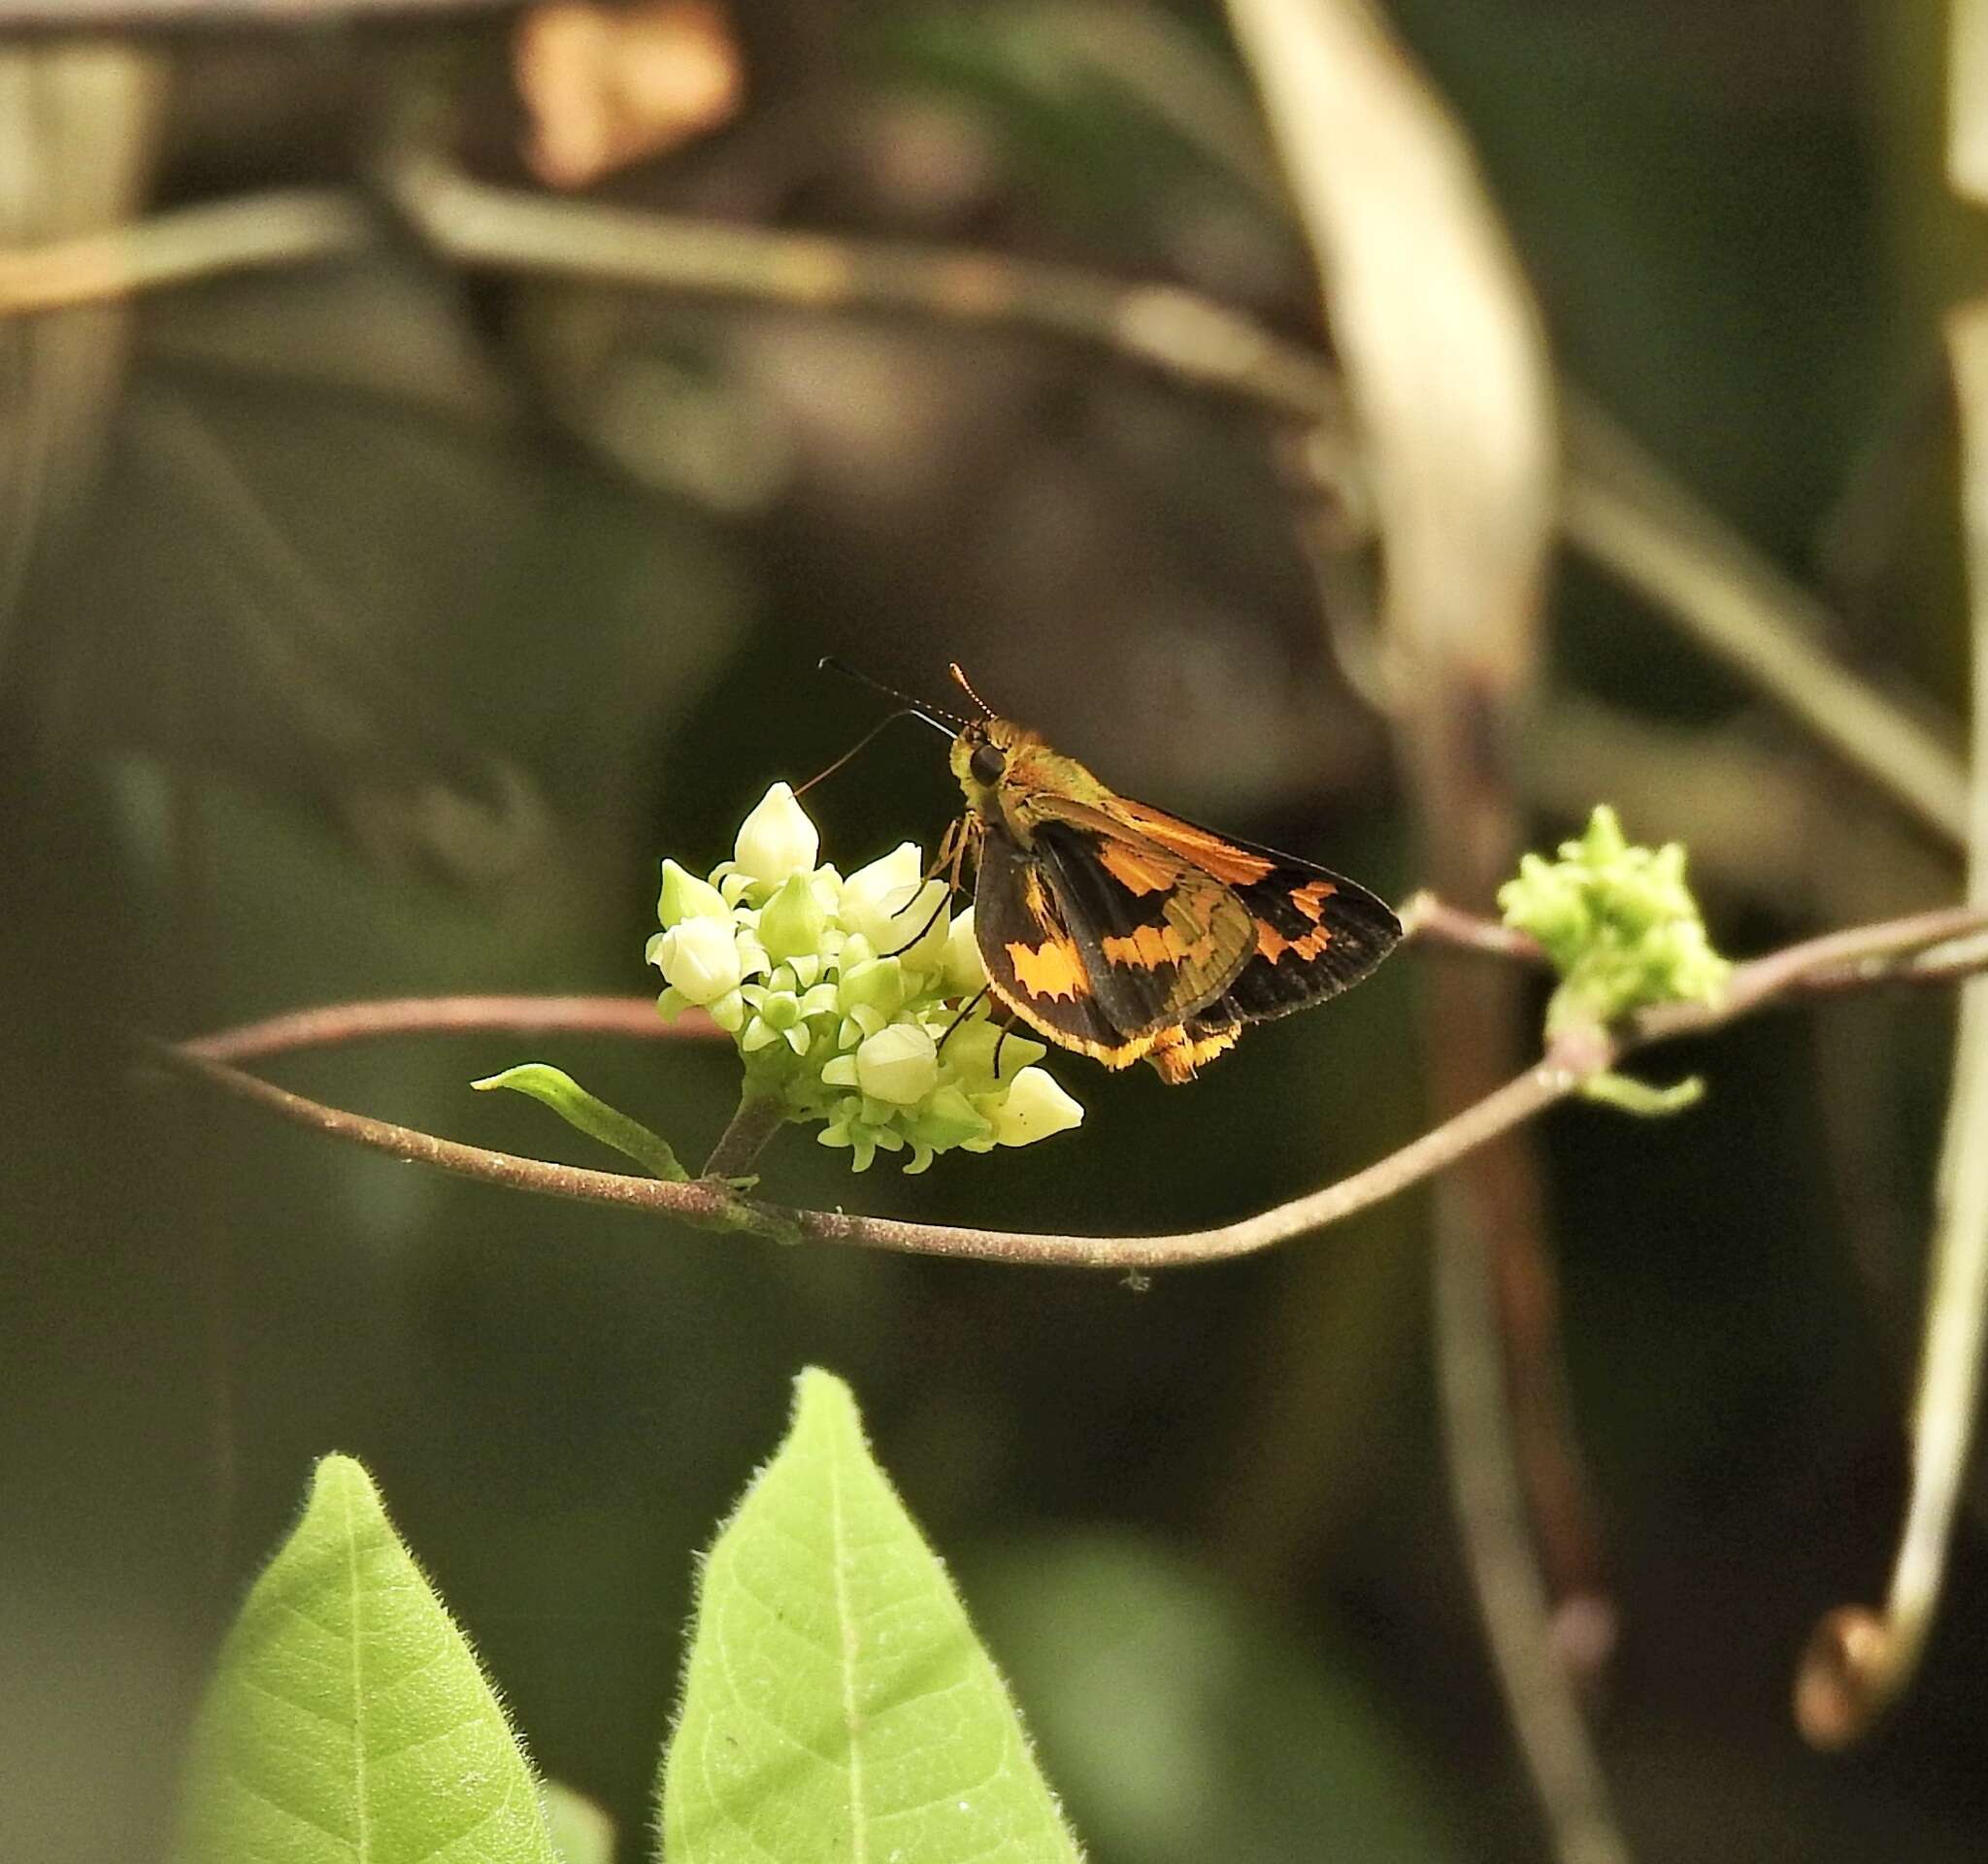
608,87
1445,363
79,122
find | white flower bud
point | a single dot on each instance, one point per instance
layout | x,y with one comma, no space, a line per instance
965,974
1035,1106
899,1064
874,897
777,839
700,958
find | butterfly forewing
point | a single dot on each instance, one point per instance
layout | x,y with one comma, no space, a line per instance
1316,931
1159,936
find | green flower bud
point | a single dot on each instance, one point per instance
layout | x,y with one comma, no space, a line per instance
969,1052
685,897
1034,1107
947,1120
898,1065
835,1020
790,924
777,839
780,1010
876,984
847,1127
1619,922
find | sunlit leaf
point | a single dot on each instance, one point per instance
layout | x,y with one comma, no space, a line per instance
348,1719
837,1705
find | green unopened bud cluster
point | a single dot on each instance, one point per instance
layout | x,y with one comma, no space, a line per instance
1617,921
845,996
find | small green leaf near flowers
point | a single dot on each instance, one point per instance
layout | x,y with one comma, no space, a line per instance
553,1087
848,997
1620,926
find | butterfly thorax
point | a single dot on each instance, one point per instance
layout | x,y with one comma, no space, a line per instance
1000,766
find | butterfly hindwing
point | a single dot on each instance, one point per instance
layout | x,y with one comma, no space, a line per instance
1160,936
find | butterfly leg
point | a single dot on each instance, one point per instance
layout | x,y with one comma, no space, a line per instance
972,1004
931,919
1001,1042
952,845
953,849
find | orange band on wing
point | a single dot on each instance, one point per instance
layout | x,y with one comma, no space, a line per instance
1138,872
1311,898
1054,969
1148,947
1233,866
1270,944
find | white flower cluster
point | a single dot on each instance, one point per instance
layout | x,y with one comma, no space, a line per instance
845,997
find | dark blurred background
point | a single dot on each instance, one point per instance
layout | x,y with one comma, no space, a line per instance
371,627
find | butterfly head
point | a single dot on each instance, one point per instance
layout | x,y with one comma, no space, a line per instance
981,756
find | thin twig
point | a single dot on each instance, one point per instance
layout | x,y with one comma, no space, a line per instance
706,1202
1425,918
1166,327
1552,1080
1489,1494
1447,367
1431,920
334,1024
1859,1662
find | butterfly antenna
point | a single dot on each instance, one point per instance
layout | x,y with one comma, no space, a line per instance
934,715
966,685
863,743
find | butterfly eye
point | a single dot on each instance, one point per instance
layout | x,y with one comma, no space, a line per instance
987,763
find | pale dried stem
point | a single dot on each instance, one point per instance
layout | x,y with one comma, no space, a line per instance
1859,1662
1621,509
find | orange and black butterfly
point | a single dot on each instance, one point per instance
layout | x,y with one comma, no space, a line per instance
1115,930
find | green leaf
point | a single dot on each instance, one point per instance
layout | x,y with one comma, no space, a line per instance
837,1705
1641,1097
577,1108
348,1719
